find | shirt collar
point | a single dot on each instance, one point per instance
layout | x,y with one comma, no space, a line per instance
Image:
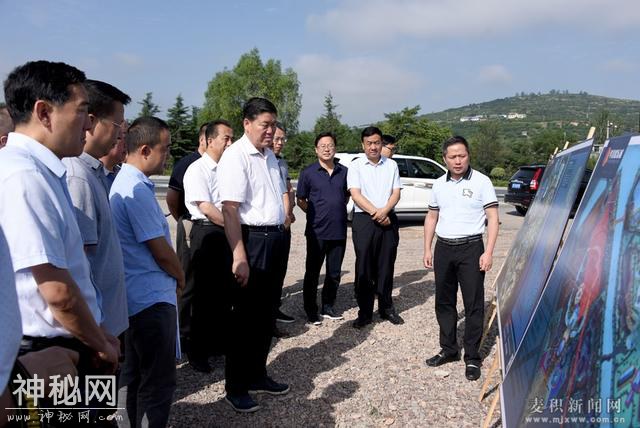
134,172
337,166
248,146
91,161
209,162
466,176
38,151
380,162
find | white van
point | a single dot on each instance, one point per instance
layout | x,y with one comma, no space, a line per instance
417,175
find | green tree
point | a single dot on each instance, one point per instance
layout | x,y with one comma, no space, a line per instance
486,147
299,151
544,144
230,89
184,137
415,135
149,108
348,138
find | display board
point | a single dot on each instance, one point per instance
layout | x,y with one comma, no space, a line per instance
579,360
529,261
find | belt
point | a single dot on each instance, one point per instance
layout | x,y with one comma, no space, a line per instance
202,222
264,229
460,241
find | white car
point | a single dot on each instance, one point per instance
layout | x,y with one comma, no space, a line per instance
417,175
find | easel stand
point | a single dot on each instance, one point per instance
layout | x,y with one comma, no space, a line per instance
495,368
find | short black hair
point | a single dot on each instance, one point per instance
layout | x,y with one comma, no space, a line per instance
369,131
456,139
326,134
102,96
212,128
144,131
388,139
38,80
203,130
256,106
281,127
6,124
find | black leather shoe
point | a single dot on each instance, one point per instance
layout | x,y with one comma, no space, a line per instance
442,358
199,365
392,317
472,372
268,386
360,323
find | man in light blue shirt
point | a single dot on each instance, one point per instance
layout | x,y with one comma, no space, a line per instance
88,187
153,275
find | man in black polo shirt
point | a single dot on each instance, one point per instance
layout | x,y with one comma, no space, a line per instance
322,194
460,203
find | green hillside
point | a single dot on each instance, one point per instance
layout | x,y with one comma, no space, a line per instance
574,113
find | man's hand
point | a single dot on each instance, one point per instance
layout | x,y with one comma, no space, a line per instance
486,261
379,215
108,357
428,259
240,271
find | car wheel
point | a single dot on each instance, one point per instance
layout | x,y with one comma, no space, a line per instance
521,210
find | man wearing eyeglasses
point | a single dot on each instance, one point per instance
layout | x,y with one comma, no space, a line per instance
89,189
388,145
374,183
322,194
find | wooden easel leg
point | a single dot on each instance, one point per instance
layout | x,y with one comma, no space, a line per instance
495,366
491,319
492,409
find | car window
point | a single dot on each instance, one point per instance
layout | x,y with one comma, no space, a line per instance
423,169
402,167
524,174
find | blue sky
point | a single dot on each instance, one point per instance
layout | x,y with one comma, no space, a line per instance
374,56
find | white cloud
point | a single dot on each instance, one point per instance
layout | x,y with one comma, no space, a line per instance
363,88
619,65
494,74
370,22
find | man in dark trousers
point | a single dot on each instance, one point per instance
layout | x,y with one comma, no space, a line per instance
253,206
461,202
322,194
210,254
374,183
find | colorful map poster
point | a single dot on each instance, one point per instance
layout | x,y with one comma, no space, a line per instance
579,361
527,266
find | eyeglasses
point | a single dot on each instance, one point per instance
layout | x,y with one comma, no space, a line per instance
326,146
282,140
122,125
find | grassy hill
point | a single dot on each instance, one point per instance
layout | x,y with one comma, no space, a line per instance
574,113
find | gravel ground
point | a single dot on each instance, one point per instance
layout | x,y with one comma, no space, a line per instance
340,376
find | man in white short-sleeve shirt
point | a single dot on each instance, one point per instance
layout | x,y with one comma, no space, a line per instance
462,200
210,254
57,298
253,205
374,183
